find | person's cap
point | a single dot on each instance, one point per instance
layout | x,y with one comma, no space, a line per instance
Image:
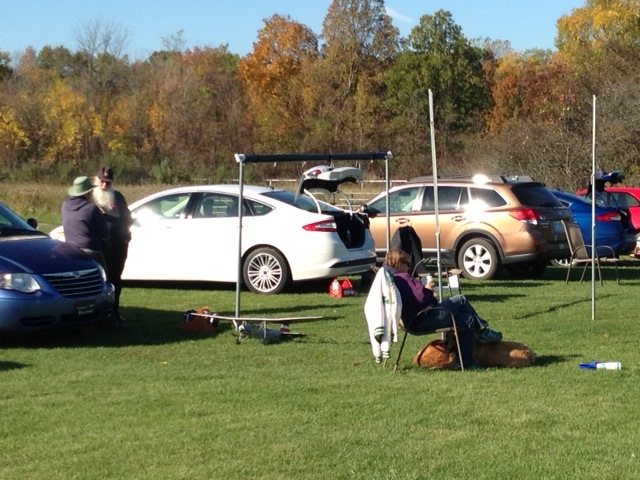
105,174
81,186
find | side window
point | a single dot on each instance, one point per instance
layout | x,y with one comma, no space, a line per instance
167,207
217,205
451,198
624,200
486,198
258,209
428,200
400,200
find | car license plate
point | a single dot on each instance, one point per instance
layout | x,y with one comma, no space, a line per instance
558,228
85,308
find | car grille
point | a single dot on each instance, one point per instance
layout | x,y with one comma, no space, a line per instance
78,284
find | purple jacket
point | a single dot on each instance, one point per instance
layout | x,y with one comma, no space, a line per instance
414,296
84,224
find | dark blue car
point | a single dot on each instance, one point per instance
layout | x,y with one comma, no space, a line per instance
46,284
609,229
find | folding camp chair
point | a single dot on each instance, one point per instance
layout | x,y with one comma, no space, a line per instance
581,253
441,331
450,276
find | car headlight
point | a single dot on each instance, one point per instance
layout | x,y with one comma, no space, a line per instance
103,273
21,282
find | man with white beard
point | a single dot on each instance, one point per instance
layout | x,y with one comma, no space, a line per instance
116,211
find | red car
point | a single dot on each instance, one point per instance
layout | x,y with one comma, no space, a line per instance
625,198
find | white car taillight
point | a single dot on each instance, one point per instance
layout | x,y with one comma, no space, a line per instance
327,226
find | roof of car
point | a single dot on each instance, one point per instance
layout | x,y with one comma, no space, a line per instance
479,179
223,188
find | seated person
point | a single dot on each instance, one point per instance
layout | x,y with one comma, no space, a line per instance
417,297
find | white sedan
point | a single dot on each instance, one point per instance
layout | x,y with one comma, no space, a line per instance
191,233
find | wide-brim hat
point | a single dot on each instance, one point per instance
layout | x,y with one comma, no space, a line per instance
81,186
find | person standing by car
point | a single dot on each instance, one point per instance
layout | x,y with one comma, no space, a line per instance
417,297
83,223
118,217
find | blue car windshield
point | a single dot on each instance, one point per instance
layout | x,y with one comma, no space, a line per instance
303,202
12,224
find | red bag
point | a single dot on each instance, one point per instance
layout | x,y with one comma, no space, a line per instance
341,288
196,321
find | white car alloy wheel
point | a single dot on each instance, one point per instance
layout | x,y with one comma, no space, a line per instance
265,271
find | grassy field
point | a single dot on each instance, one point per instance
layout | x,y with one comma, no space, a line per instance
153,402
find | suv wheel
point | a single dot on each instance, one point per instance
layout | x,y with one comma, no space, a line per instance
478,259
562,262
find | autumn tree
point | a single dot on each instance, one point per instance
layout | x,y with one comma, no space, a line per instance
194,112
600,43
5,65
45,120
360,43
62,62
102,45
600,29
276,88
436,56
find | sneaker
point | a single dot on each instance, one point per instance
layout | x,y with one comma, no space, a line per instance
487,335
285,328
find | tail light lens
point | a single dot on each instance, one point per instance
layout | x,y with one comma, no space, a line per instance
609,217
327,226
525,215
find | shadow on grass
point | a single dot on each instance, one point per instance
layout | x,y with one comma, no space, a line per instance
4,365
307,286
544,360
144,326
562,306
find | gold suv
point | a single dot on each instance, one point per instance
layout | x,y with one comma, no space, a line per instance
485,222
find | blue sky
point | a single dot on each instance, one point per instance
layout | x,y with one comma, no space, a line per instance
525,23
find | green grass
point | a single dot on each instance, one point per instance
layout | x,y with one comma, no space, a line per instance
154,402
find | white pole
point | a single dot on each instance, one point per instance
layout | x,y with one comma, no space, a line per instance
434,165
240,160
593,214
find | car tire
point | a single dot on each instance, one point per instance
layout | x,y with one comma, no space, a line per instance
478,259
562,262
265,271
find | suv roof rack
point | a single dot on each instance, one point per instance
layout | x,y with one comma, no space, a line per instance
480,178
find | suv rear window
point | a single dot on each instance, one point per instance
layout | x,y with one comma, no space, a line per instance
532,195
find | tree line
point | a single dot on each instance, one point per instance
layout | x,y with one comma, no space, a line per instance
357,86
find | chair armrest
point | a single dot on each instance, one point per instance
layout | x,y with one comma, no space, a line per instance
608,251
407,327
